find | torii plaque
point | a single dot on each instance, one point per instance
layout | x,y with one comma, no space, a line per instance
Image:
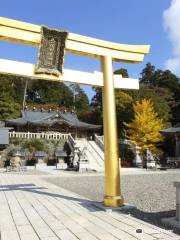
106,52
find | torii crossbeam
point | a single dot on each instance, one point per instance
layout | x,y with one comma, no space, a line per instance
106,52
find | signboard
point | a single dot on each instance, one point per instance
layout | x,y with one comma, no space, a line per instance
51,51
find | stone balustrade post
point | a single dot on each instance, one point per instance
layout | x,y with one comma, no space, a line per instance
177,185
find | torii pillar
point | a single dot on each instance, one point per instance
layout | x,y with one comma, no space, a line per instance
29,34
113,196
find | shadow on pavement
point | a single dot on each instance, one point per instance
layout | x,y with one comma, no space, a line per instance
149,217
153,218
34,189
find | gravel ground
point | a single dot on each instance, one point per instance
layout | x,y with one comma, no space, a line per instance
152,194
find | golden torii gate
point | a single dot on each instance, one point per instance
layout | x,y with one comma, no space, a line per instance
106,52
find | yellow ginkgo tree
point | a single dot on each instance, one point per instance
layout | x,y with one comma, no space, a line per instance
145,127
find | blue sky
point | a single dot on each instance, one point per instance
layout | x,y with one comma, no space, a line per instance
123,21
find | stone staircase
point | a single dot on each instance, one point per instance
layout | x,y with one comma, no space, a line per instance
94,154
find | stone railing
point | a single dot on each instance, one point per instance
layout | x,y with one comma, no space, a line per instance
95,150
71,142
42,135
173,159
100,141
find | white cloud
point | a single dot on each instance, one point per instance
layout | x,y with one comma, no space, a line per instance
171,19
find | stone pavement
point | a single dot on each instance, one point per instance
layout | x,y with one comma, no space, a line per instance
32,209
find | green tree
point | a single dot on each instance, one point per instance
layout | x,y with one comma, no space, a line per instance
8,108
34,145
14,86
96,101
122,71
124,111
123,108
50,92
96,104
161,98
164,80
147,74
11,96
80,101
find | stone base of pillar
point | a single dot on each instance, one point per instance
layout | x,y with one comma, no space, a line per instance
117,201
124,207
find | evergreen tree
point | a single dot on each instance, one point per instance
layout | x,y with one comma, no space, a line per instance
96,104
14,86
81,101
50,92
161,98
8,107
123,72
147,74
164,80
124,111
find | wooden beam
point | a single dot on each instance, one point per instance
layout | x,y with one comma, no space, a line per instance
25,33
72,76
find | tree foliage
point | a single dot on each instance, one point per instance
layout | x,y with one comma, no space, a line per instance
147,74
97,108
123,72
49,92
161,98
9,107
124,111
145,127
81,101
40,94
156,78
162,88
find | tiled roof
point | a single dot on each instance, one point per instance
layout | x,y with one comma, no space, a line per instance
50,118
172,130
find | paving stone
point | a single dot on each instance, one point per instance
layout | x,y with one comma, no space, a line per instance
74,227
170,238
106,237
21,221
85,236
29,236
50,238
161,235
9,235
26,229
137,225
120,234
56,225
66,235
142,236
44,232
55,214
